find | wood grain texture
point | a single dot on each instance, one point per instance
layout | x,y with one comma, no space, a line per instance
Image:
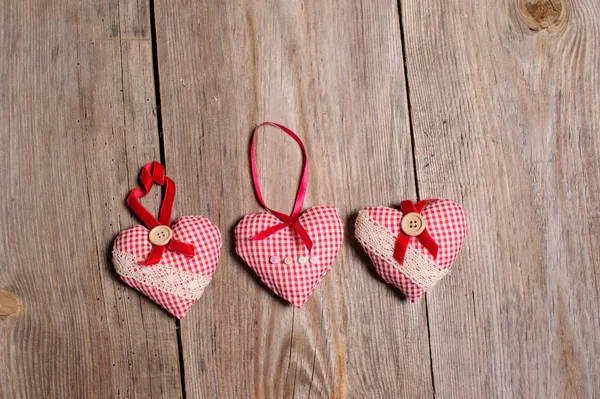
504,100
333,73
76,110
502,104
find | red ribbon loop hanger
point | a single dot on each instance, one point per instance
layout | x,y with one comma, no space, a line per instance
292,219
154,172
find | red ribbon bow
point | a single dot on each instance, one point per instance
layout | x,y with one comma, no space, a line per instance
286,220
154,172
425,238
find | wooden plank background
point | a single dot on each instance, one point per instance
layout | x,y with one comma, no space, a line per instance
495,105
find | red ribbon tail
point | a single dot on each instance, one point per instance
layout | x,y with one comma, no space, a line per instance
304,235
269,232
182,247
429,243
154,256
401,247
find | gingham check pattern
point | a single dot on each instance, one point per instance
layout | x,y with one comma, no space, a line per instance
447,224
295,282
195,230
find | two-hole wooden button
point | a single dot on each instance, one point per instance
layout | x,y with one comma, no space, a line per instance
412,224
160,235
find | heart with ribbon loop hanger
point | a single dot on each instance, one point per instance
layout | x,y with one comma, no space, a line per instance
412,248
290,253
170,264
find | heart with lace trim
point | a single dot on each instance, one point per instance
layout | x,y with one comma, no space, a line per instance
177,281
282,260
377,229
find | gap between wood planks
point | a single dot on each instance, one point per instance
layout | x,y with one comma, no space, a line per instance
161,148
414,159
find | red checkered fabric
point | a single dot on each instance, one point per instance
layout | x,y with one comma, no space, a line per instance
195,230
447,224
294,282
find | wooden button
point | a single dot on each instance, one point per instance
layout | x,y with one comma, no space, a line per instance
160,235
412,224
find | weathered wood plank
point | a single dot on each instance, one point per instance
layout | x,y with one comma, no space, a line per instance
334,74
505,111
76,115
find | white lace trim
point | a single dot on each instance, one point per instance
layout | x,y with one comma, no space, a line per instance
419,269
164,278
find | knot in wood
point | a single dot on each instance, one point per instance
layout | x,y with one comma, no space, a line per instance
9,304
541,14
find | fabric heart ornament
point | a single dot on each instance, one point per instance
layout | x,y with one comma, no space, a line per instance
412,248
170,264
290,254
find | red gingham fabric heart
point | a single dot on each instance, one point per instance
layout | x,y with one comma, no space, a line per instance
176,281
377,228
297,281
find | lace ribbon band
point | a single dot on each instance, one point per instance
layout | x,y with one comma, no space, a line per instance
419,269
164,278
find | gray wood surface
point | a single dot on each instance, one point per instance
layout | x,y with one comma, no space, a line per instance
505,109
77,121
495,103
316,69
